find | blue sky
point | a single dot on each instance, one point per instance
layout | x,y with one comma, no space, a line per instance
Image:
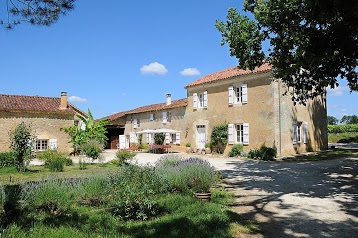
119,55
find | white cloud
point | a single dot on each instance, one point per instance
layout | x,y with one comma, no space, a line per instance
153,68
77,99
190,72
337,92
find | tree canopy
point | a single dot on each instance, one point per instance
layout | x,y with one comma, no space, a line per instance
312,42
346,119
331,120
35,12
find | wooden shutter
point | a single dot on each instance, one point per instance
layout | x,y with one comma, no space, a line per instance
305,133
231,95
164,117
205,99
134,123
230,129
246,133
177,138
151,117
132,137
167,138
195,101
53,144
244,93
147,138
294,133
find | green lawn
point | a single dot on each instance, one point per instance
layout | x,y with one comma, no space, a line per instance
345,137
327,155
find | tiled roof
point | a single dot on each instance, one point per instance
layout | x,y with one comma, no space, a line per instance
35,104
229,73
153,107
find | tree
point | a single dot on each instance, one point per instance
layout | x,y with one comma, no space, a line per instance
312,42
21,144
219,137
94,130
38,12
349,119
331,120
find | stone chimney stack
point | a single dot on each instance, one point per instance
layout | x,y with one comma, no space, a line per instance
168,99
63,101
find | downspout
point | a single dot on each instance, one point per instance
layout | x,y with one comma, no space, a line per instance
279,116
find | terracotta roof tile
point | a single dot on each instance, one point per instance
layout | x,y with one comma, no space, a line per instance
229,73
153,107
35,103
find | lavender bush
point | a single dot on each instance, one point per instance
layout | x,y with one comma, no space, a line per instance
187,175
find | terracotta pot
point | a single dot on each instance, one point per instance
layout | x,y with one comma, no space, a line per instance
203,196
207,151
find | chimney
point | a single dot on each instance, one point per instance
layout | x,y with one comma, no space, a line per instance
168,99
63,101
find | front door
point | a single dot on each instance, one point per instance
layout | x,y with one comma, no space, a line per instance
201,137
114,142
122,142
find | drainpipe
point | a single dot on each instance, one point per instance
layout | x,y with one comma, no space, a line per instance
279,116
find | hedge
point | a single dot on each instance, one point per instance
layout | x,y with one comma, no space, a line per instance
342,128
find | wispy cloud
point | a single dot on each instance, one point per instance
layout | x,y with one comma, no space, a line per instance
153,68
337,92
77,99
190,72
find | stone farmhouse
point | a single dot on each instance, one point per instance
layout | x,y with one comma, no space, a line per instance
47,116
250,102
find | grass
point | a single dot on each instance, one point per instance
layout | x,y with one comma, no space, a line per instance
9,175
345,137
327,155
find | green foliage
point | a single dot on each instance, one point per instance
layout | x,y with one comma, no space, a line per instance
159,138
331,120
342,128
188,145
264,153
92,149
82,163
35,12
207,145
219,137
299,33
94,191
123,156
349,119
143,147
54,160
186,175
344,137
21,143
7,159
95,130
236,150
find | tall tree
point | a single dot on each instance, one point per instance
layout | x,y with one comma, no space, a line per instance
331,120
312,42
346,119
35,12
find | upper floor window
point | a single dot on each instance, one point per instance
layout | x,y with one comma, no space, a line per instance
237,94
169,116
151,117
200,100
136,123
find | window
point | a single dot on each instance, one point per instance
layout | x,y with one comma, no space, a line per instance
164,117
151,117
238,133
296,132
41,145
200,100
305,133
135,123
169,116
237,94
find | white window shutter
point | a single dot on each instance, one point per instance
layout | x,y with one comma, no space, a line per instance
230,128
147,138
135,138
246,133
167,138
294,133
177,138
134,123
205,103
244,93
164,117
231,95
53,144
151,117
195,100
305,133
132,137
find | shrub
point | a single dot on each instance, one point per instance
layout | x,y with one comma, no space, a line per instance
21,144
122,157
134,188
187,175
92,149
94,191
143,146
342,128
7,159
188,145
254,154
264,153
236,150
159,138
219,137
53,160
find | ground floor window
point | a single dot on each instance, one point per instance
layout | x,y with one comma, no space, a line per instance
238,133
41,145
296,132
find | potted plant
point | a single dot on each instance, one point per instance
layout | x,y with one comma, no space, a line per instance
188,148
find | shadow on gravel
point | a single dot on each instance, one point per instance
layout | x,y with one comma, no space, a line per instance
298,199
